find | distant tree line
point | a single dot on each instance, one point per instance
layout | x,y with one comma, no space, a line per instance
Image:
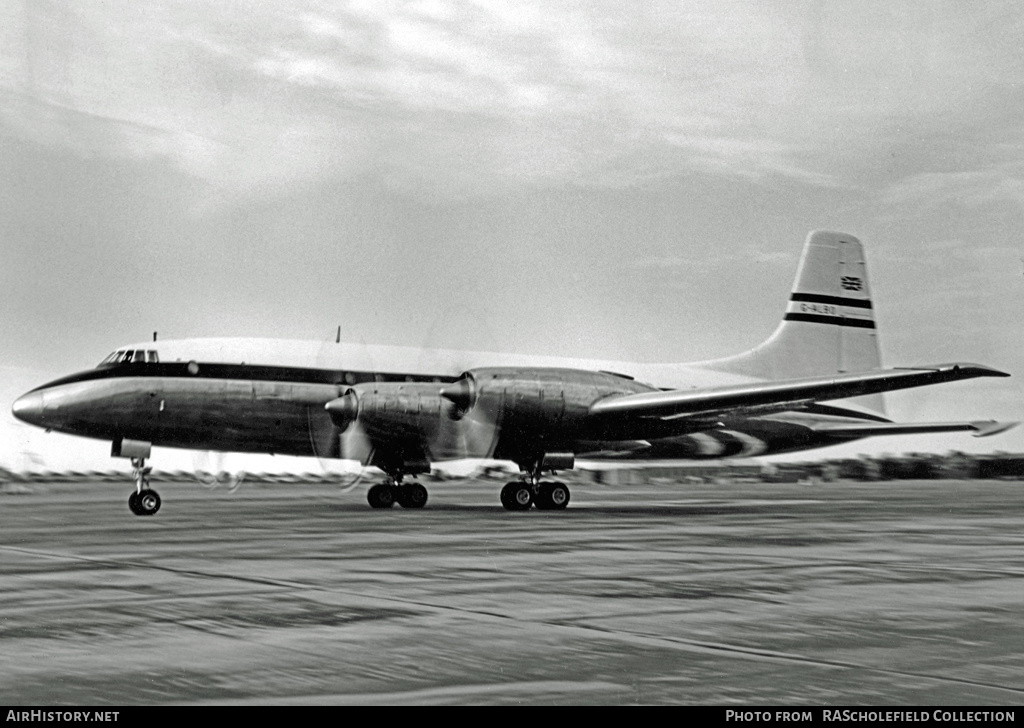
913,466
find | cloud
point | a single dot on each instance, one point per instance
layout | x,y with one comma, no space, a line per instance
469,97
746,254
974,188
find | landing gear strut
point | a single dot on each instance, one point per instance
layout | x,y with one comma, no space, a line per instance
144,501
392,490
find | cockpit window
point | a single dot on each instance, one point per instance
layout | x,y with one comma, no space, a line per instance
126,356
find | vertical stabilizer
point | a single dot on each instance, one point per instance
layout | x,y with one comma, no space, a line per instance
829,325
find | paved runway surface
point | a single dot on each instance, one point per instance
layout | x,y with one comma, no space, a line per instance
841,593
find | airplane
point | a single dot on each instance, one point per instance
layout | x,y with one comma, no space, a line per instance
816,381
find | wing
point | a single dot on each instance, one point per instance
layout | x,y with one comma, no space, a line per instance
769,396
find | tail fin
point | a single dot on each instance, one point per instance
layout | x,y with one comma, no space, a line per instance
829,326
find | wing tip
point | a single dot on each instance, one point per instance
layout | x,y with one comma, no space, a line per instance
960,369
980,370
987,428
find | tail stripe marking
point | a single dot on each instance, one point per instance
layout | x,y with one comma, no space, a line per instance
834,320
834,300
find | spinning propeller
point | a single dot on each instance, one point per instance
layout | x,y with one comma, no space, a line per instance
475,415
332,445
413,421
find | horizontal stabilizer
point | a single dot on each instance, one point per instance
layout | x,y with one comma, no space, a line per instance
778,395
983,428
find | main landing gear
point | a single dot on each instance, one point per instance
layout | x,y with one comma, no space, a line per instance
144,501
392,490
520,495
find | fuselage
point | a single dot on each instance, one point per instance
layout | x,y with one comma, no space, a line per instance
268,396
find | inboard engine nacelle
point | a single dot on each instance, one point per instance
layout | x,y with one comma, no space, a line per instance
415,408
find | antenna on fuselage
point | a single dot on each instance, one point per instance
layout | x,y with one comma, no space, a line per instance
337,339
154,336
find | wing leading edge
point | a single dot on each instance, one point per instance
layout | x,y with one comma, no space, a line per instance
773,396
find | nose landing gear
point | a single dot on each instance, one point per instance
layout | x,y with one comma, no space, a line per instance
144,501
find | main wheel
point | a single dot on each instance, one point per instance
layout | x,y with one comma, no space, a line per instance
558,496
147,503
133,503
412,495
381,495
517,496
551,497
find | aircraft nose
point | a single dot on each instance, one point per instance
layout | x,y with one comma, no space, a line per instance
29,408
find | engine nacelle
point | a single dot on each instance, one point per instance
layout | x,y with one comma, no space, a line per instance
406,422
537,408
400,410
508,413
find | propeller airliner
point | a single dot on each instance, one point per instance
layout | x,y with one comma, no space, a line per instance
816,381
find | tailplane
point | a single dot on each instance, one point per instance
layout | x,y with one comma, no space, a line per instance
829,325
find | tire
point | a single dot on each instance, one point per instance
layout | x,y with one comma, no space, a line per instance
552,497
381,496
558,496
147,503
543,498
133,503
506,498
412,495
517,496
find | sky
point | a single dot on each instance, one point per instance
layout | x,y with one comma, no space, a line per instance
592,179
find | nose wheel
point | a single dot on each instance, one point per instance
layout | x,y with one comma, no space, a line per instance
144,501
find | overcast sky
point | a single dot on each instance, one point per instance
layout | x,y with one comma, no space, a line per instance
602,179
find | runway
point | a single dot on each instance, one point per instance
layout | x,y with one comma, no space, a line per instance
783,594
